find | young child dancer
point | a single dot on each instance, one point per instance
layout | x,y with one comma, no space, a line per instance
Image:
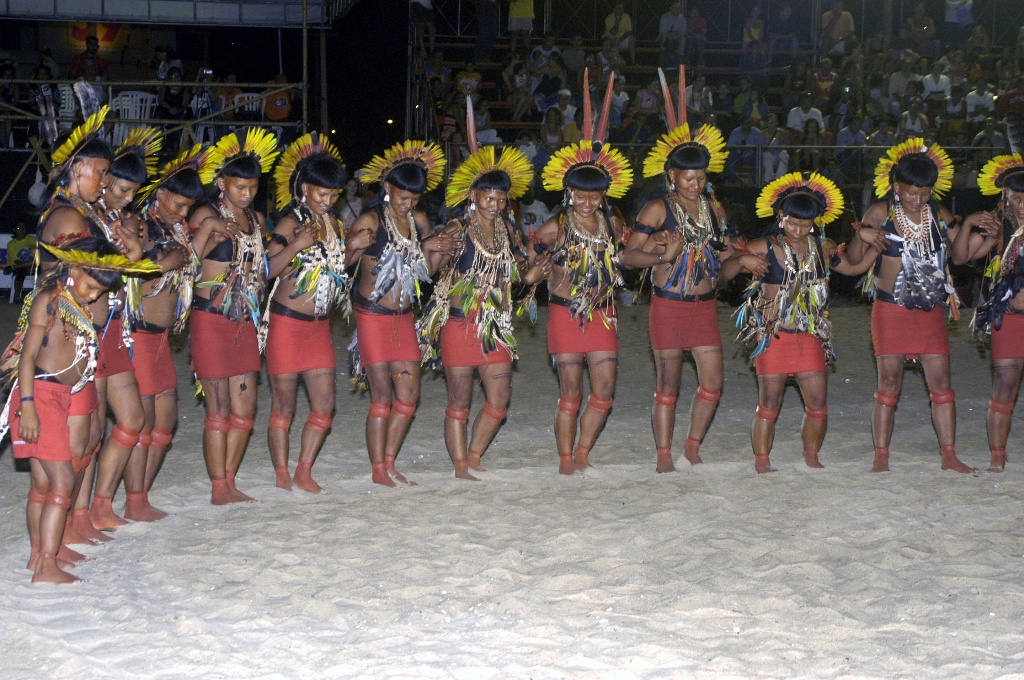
999,235
225,352
307,253
52,357
680,238
581,311
912,288
785,317
471,310
398,252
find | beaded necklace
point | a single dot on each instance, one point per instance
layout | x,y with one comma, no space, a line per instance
1004,277
592,266
181,280
401,266
701,241
320,269
241,286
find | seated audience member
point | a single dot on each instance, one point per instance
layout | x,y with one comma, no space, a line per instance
799,115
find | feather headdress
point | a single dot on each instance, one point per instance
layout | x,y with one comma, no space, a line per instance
87,260
427,155
591,151
78,138
197,158
512,162
995,172
146,142
259,143
935,153
707,137
299,150
821,188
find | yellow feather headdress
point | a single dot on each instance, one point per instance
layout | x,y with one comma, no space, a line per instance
145,141
818,186
512,162
259,142
935,153
992,176
707,137
610,161
79,137
299,150
117,263
427,155
196,158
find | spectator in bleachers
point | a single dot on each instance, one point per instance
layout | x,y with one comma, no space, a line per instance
913,122
723,98
520,23
487,25
21,250
173,97
883,136
700,101
755,108
774,162
618,27
647,97
836,29
753,27
519,81
574,56
165,60
743,160
996,139
421,20
89,64
610,60
954,113
980,102
799,115
532,213
850,159
696,37
797,82
352,202
959,20
619,100
978,43
809,157
545,52
899,80
546,88
564,105
936,89
485,133
742,97
551,129
572,133
922,29
527,143
824,81
46,59
782,31
672,35
435,69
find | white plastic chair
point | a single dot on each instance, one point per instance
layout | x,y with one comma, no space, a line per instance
68,106
136,106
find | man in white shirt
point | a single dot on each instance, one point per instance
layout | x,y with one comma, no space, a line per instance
898,81
849,159
980,102
532,213
565,106
672,35
935,83
544,52
799,115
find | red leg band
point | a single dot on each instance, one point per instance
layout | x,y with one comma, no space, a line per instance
889,399
162,437
78,464
320,421
279,421
145,439
765,413
570,406
124,437
459,415
380,409
216,423
36,497
665,398
240,423
816,413
946,397
58,500
1003,407
599,404
708,395
494,413
404,408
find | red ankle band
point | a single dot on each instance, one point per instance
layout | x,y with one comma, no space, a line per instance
404,408
708,396
216,423
380,410
459,415
320,421
1003,407
599,404
816,413
493,412
240,423
765,413
665,398
570,406
667,451
889,399
947,449
78,464
279,421
946,397
304,464
162,437
581,450
124,437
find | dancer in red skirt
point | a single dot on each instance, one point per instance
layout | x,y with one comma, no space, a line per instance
398,252
785,316
225,352
581,311
308,255
679,237
912,288
999,235
470,314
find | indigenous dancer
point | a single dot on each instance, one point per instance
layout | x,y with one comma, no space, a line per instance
48,363
308,254
680,237
581,312
225,352
471,309
999,235
785,317
912,288
166,301
397,253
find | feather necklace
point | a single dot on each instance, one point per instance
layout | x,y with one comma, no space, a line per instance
401,266
320,269
923,281
592,266
237,293
699,259
1004,278
181,280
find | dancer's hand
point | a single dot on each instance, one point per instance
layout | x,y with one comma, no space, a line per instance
28,426
359,240
673,242
539,270
755,264
986,222
304,237
873,238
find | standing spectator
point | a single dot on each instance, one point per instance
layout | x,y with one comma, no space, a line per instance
799,115
520,23
421,18
959,20
545,51
744,142
774,163
352,203
619,100
574,57
824,80
467,82
487,26
165,61
610,60
836,27
753,27
980,102
672,35
922,30
782,32
696,36
619,27
532,213
89,64
21,250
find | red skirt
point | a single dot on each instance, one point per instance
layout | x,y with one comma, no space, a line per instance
1008,341
222,348
386,337
53,405
461,347
295,346
911,332
113,355
565,336
792,353
675,324
154,367
85,400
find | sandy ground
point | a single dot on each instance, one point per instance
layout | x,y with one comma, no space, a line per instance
714,572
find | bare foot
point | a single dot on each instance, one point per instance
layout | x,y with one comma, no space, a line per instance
692,452
221,493
951,462
284,480
566,465
71,556
665,463
236,495
582,461
389,465
33,562
138,509
473,460
72,537
303,480
762,465
380,475
998,461
47,571
881,461
102,515
84,526
811,458
463,473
